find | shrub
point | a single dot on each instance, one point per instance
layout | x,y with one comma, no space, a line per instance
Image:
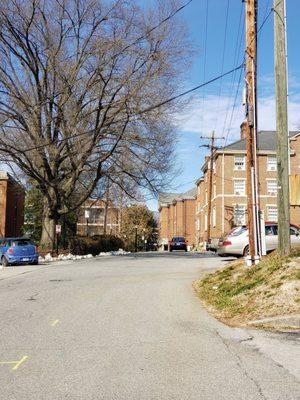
81,245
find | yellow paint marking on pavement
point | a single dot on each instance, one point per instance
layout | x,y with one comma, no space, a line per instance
18,363
55,322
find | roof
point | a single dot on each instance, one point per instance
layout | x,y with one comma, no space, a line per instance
169,198
266,141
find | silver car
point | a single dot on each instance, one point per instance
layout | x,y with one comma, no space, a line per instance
236,241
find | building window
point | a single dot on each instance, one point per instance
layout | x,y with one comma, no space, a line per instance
214,217
239,163
205,222
206,198
198,224
239,215
272,187
214,190
272,213
239,187
272,163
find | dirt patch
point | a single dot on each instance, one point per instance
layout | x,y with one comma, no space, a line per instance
238,295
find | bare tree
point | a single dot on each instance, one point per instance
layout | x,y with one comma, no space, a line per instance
80,81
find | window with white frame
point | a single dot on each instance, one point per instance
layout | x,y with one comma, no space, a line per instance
272,187
239,163
239,214
198,224
205,222
239,187
214,217
272,163
272,213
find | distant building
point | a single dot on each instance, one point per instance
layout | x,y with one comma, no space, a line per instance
229,189
177,217
12,198
98,216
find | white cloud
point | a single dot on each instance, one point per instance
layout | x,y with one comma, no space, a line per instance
204,116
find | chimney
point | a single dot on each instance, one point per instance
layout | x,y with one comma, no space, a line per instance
244,127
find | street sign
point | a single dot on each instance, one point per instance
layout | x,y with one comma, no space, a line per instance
58,229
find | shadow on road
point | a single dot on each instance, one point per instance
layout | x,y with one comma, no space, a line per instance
173,254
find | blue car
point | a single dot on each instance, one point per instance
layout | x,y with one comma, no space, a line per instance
18,251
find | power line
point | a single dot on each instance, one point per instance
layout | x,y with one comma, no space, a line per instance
222,63
151,108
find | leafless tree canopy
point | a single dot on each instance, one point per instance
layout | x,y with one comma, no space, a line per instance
75,79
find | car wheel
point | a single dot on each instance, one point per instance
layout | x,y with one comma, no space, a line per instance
171,250
246,251
4,262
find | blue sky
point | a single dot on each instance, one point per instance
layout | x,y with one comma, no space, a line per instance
211,108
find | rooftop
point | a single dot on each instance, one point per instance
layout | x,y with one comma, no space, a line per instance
168,198
266,141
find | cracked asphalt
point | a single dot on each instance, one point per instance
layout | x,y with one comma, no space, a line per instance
132,328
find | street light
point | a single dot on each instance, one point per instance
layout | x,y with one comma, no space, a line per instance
144,238
136,243
87,216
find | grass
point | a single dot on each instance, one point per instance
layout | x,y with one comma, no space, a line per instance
238,294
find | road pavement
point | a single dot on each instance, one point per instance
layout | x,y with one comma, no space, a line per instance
131,328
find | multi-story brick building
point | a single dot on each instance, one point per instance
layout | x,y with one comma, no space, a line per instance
229,200
177,217
98,216
12,197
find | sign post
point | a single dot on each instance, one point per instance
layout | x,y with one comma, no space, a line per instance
58,232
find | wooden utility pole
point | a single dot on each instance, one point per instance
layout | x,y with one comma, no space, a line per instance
212,148
252,189
283,195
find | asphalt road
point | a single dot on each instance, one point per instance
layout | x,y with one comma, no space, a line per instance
127,328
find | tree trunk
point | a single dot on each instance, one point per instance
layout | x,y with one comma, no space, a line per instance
48,230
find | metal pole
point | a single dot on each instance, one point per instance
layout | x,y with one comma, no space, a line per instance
136,243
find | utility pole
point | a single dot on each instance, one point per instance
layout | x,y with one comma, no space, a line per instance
283,195
212,148
251,130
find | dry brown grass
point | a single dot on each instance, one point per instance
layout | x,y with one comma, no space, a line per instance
238,295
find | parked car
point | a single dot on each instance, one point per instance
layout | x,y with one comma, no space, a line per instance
178,243
15,251
236,241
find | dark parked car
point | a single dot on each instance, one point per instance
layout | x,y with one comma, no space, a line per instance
18,251
178,243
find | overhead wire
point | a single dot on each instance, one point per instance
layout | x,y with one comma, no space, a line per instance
148,109
222,62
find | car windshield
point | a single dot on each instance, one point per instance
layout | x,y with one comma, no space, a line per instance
178,239
20,242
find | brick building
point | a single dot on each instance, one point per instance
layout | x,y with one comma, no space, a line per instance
99,215
229,200
12,198
177,217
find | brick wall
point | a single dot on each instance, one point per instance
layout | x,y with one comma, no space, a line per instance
12,197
